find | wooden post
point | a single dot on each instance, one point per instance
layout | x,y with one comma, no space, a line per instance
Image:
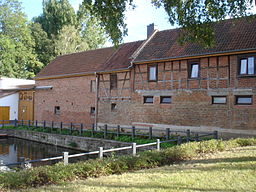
101,152
188,135
71,127
150,133
215,135
167,134
92,133
133,132
118,131
196,137
65,158
15,123
81,128
105,131
61,125
158,144
133,149
179,140
52,126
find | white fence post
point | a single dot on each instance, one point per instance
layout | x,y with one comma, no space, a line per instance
65,158
158,144
101,152
133,149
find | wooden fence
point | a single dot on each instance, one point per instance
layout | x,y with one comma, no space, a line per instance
118,130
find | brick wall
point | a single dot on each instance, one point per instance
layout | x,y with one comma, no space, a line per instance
72,95
191,98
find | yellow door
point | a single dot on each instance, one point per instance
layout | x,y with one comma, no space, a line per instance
4,114
26,106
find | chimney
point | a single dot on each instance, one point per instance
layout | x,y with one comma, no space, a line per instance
150,29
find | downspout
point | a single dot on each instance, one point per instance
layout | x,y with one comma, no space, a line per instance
96,101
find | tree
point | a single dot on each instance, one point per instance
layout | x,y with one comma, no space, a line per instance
196,17
16,44
90,29
67,31
43,45
56,14
69,41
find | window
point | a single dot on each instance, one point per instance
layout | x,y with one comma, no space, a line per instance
152,73
165,99
244,100
148,99
247,66
113,106
92,110
193,69
219,99
113,81
57,110
93,86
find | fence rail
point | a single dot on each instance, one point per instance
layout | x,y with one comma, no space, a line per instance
118,130
189,136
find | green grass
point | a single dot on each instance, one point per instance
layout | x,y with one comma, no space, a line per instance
60,173
229,171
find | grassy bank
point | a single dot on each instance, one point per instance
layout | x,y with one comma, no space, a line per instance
233,170
115,165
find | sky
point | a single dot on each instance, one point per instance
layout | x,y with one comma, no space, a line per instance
136,20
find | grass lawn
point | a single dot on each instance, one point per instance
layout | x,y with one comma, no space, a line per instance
229,171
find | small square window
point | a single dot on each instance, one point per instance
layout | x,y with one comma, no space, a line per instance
152,73
148,99
57,110
219,99
92,110
165,99
113,106
113,81
244,100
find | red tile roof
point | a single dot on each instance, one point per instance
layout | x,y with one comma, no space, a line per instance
230,36
104,59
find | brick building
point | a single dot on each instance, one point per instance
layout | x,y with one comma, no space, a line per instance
158,82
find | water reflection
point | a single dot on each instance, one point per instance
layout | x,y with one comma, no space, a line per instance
12,149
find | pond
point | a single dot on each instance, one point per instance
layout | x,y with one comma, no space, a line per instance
11,149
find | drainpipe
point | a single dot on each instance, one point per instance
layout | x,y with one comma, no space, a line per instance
96,101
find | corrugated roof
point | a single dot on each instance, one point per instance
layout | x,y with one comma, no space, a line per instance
230,35
104,59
